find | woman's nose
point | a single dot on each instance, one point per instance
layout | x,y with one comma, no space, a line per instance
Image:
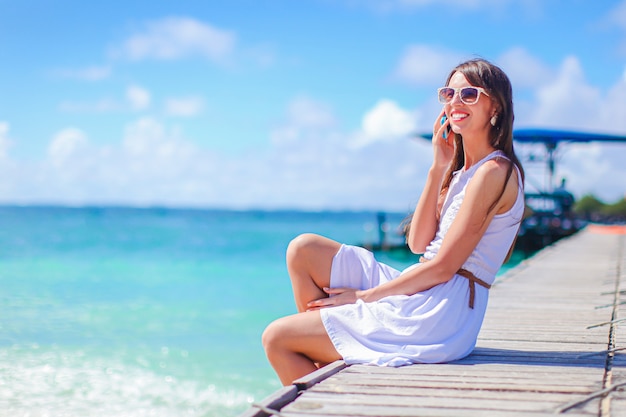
456,98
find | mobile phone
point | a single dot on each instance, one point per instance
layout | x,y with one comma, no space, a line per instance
443,120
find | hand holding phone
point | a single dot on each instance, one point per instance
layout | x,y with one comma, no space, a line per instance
447,131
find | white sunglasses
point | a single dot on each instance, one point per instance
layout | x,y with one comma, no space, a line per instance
468,95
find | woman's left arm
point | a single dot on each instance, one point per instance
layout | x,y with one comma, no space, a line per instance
464,233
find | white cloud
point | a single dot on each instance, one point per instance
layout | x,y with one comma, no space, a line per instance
424,65
386,121
428,65
91,73
178,37
263,55
303,114
152,164
613,107
569,102
524,70
143,136
5,143
311,161
310,113
184,106
155,164
318,167
102,105
149,138
618,15
615,19
135,98
138,97
66,143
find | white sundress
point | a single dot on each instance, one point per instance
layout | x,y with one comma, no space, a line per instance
431,326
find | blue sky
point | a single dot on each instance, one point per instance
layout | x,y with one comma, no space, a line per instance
287,104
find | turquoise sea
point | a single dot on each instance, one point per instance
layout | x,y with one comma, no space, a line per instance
147,312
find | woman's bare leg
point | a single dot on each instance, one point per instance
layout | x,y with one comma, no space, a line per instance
294,344
309,258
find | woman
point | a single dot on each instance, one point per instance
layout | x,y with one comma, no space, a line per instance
351,307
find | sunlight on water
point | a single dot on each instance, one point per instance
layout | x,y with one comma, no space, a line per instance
40,382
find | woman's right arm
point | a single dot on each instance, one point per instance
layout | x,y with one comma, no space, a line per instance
425,218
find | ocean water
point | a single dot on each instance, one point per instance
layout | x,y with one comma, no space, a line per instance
147,312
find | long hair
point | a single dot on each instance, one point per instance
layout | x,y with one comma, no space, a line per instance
482,73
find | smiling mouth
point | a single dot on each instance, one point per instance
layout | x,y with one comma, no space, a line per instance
458,116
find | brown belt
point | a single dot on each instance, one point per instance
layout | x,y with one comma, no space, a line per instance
472,280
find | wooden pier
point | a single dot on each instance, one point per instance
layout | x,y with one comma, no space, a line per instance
553,342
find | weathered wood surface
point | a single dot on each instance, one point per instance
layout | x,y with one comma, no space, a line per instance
547,347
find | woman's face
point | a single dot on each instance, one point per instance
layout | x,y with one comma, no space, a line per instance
469,120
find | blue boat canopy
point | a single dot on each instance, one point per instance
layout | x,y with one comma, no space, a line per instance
553,137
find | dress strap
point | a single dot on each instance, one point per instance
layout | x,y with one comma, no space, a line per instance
472,280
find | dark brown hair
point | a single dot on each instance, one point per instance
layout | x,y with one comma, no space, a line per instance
482,73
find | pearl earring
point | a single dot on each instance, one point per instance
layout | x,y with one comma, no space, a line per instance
494,119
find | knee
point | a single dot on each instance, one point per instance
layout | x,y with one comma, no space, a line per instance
299,246
272,336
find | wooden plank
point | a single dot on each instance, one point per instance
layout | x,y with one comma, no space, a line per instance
473,393
319,375
538,350
487,381
494,386
275,401
342,405
461,370
361,404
